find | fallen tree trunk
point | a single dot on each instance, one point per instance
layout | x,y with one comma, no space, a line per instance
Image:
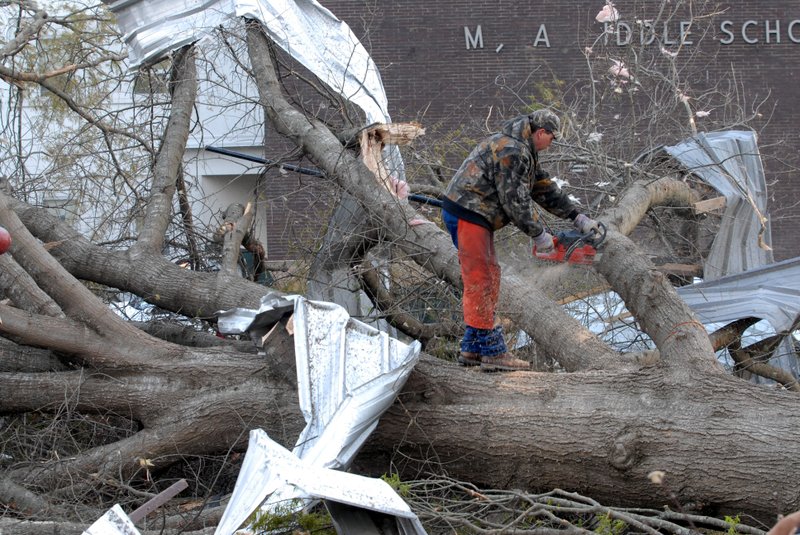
726,446
600,434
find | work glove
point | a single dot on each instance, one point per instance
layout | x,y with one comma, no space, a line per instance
586,224
544,243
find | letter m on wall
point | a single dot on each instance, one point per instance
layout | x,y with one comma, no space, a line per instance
473,41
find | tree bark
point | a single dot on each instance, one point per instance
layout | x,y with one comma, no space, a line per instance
600,433
725,445
169,159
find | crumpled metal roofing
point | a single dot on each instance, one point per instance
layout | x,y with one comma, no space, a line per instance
740,278
305,29
731,163
770,292
268,467
256,323
348,374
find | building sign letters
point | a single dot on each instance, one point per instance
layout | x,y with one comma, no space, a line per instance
675,33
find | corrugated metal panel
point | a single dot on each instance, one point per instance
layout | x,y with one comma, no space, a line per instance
771,292
268,466
114,522
348,374
731,163
152,29
305,29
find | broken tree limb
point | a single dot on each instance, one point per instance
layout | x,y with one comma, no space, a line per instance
753,359
680,338
425,244
644,194
236,225
19,499
73,297
169,160
731,333
152,276
17,285
747,361
372,142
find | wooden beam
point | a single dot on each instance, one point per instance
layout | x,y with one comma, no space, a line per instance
158,500
709,205
684,270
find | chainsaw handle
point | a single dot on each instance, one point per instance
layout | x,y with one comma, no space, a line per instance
603,231
588,238
594,237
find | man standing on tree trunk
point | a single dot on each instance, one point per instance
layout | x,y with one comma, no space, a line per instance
497,185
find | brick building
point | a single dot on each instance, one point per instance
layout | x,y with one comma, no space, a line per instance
455,62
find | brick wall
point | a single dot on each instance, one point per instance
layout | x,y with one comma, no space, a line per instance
435,73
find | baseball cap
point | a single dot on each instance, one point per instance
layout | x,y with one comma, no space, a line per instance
546,119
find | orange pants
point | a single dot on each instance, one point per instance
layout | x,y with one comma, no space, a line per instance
480,273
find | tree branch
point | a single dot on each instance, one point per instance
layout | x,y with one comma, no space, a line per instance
393,313
731,333
681,340
23,291
425,244
193,293
745,360
62,334
643,195
26,33
74,298
237,223
170,155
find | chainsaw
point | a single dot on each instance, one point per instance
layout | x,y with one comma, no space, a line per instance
573,247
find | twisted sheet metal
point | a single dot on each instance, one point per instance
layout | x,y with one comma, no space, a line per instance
348,374
771,293
305,29
731,163
268,467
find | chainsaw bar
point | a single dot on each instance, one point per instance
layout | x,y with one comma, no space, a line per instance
574,248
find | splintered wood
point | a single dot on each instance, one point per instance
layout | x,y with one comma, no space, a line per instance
375,138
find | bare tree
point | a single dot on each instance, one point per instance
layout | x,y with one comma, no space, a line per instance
120,411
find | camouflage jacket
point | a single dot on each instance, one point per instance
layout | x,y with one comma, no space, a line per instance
497,182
